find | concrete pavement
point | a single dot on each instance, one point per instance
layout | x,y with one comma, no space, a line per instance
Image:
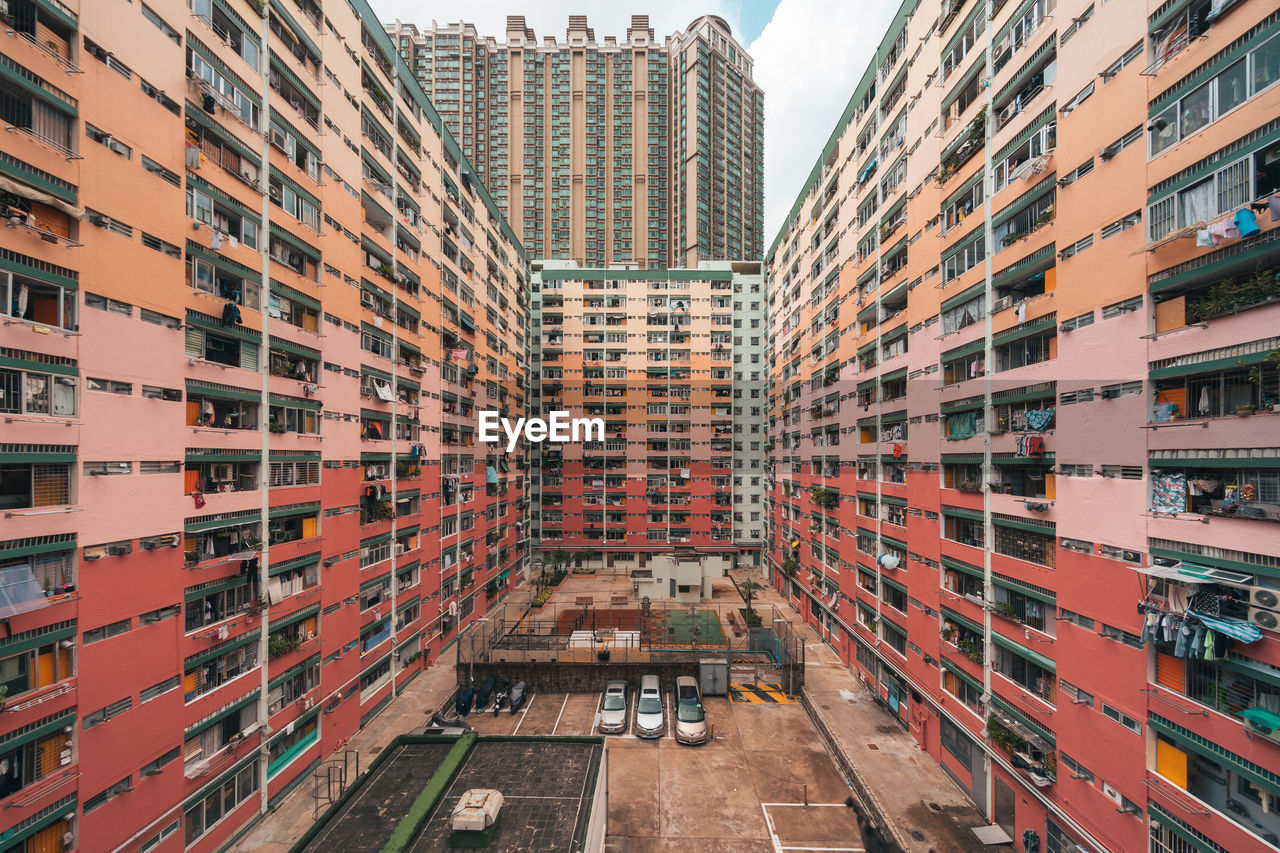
919,805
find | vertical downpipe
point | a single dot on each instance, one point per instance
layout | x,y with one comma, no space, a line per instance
988,355
395,355
264,402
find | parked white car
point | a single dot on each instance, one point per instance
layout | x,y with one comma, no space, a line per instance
649,716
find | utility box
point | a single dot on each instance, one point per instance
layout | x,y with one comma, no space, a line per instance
475,818
713,676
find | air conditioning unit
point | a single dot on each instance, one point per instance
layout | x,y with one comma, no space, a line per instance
1109,152
366,299
117,550
1266,619
397,549
279,140
1264,597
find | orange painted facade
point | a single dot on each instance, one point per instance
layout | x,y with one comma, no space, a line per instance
1022,401
252,300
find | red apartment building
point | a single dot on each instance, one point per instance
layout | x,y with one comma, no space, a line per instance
1023,355
673,362
252,296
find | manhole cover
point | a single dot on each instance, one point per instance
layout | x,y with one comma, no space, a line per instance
872,746
917,835
886,730
934,807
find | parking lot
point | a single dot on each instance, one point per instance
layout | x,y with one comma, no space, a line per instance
745,790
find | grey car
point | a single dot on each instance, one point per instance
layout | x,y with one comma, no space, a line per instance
613,708
691,722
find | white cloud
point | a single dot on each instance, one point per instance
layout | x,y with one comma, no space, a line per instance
808,59
551,17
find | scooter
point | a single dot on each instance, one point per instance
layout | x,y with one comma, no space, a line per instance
501,695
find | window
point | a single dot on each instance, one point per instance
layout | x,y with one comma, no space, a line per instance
226,219
217,803
36,668
31,484
169,32
1021,670
25,298
1078,770
212,735
105,139
220,88
292,688
1215,98
124,786
109,386
1026,545
31,114
1031,349
1122,718
955,741
101,715
107,58
285,747
112,630
164,248
235,658
301,207
158,689
159,615
32,761
163,835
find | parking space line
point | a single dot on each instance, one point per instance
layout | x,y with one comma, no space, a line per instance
768,822
523,713
561,714
779,847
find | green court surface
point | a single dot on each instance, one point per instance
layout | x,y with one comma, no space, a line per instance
676,627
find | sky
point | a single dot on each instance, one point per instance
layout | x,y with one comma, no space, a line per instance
809,54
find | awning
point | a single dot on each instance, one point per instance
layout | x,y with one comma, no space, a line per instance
1261,719
1184,571
19,590
1237,629
33,194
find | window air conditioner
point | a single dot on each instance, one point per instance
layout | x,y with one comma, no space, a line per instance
1266,619
1264,598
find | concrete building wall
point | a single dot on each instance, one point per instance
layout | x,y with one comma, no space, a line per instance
603,151
152,663
665,358
894,420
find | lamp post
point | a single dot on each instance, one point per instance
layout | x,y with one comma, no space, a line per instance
471,660
776,631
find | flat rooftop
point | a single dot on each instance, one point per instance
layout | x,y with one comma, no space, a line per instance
548,785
